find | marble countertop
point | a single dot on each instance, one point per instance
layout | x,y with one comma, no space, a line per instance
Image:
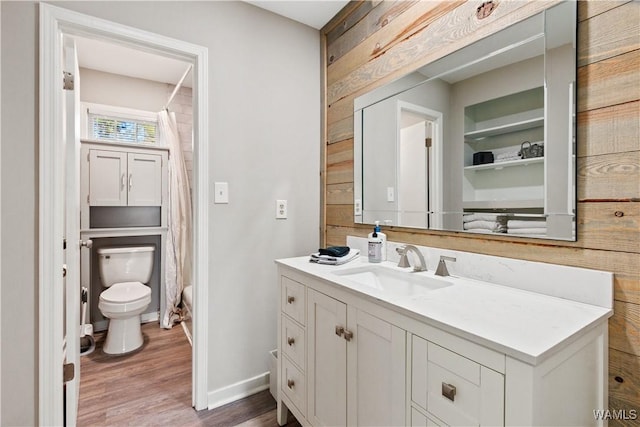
526,325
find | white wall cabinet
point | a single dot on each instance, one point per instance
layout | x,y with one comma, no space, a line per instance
119,178
349,359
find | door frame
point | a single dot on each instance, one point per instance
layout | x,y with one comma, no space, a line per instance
54,22
435,166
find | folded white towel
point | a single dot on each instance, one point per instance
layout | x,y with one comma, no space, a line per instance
527,223
479,216
332,260
508,155
539,230
483,225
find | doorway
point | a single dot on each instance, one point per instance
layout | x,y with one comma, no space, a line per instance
54,24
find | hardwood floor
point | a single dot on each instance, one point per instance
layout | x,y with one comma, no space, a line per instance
152,387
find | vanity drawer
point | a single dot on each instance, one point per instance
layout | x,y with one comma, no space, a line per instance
461,391
293,384
293,341
293,301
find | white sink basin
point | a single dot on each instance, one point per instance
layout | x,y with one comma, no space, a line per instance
393,282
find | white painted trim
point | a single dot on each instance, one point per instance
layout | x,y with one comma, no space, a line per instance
236,391
0,223
55,21
435,161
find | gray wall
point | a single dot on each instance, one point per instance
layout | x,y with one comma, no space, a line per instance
264,114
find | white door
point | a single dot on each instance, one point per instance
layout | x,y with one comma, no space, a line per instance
107,178
72,233
145,179
327,361
376,377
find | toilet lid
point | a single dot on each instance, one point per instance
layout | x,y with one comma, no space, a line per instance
125,292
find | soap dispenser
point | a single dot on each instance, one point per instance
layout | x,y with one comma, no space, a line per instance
374,246
377,245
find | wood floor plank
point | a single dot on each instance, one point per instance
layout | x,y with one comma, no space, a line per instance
152,387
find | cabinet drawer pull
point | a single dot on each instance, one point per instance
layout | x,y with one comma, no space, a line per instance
291,299
339,330
449,391
291,340
348,335
290,383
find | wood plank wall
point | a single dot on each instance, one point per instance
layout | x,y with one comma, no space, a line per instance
370,43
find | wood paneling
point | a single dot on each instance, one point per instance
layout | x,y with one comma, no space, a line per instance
608,146
609,130
624,328
599,37
340,194
624,380
609,176
612,81
590,9
611,226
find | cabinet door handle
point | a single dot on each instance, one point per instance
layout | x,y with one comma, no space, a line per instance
130,181
339,330
291,299
291,340
123,181
290,383
449,391
348,335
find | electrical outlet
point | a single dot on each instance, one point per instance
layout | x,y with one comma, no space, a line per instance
281,209
357,207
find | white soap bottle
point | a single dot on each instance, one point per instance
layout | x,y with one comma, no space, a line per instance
382,237
374,247
377,248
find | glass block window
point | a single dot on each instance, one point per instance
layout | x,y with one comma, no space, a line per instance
110,128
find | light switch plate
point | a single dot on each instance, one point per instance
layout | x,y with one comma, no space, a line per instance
221,190
390,194
281,209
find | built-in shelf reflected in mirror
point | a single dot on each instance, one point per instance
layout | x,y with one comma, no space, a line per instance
481,141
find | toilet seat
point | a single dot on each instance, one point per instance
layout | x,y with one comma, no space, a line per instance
123,298
125,292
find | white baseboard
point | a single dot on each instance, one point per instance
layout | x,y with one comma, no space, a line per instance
236,391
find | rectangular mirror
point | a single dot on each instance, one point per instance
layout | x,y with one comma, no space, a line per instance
481,141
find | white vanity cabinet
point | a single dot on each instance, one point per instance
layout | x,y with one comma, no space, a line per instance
352,356
355,362
356,365
119,178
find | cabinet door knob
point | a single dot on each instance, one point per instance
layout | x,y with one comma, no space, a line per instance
348,335
290,383
339,330
449,391
291,340
291,299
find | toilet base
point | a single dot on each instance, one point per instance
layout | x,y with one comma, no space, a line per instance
123,336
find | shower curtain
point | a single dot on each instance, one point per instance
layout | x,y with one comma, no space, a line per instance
179,233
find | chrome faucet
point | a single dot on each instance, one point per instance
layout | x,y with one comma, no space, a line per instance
442,265
404,259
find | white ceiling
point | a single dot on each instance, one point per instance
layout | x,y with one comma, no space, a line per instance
314,13
118,59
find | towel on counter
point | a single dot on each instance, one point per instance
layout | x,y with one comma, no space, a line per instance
527,223
539,230
332,260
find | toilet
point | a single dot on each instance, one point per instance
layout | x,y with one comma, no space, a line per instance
124,271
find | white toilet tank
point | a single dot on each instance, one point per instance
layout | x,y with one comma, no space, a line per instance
125,264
